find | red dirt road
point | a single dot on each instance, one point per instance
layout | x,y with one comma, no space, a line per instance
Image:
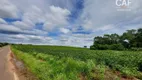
5,73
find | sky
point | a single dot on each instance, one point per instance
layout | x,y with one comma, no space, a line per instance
65,22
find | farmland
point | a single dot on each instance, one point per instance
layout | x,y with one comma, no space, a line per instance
69,63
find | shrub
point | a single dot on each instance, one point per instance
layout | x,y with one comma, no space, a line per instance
117,47
107,47
99,47
136,49
92,47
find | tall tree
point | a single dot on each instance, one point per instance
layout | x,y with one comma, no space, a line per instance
138,39
127,39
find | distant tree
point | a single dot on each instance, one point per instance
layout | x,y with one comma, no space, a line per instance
114,38
129,39
138,38
85,46
3,44
106,42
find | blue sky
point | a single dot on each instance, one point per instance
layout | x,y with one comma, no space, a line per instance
65,22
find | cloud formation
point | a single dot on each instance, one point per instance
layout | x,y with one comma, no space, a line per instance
101,13
56,18
7,9
64,22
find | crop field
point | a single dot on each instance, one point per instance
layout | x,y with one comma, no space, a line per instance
70,63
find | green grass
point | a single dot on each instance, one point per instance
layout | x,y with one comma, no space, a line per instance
69,63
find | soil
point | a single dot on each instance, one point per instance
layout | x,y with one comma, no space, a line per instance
19,68
5,72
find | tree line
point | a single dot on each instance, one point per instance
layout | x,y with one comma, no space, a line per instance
131,39
3,44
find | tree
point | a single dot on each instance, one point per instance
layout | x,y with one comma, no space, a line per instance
138,38
127,39
114,38
108,41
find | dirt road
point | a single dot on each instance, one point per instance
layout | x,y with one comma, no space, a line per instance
5,73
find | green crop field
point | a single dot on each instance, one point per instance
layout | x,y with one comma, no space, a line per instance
69,63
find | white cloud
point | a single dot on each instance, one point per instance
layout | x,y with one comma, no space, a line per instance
104,28
34,12
18,36
52,16
78,40
2,21
33,39
10,28
39,32
34,15
64,30
25,39
101,13
34,32
56,18
8,10
22,25
87,24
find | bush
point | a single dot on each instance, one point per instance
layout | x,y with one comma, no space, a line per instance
107,47
140,67
92,47
117,47
103,47
99,47
136,49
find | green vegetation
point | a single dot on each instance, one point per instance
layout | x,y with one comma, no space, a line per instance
68,63
132,39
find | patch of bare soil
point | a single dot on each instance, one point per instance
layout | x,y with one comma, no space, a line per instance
124,77
82,76
11,68
19,70
108,75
